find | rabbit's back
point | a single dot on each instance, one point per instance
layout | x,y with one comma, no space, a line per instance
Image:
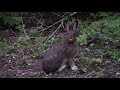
53,58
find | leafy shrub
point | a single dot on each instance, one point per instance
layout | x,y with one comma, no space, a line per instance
107,29
86,32
12,18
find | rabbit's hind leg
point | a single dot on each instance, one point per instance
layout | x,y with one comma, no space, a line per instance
63,65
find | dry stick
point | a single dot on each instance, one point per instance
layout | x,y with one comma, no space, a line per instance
40,13
63,27
73,13
65,14
57,14
35,18
23,26
58,21
53,33
52,25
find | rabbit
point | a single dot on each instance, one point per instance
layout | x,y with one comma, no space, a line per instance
62,53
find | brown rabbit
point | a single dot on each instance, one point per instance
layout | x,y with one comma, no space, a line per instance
61,53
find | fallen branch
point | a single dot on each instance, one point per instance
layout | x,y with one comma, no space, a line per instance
58,21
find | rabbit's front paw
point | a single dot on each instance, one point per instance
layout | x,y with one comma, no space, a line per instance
61,68
74,68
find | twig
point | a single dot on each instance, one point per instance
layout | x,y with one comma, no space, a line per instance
12,31
35,18
52,25
73,14
40,13
65,14
53,33
57,14
23,26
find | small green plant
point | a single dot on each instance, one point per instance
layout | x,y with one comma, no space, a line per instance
100,53
82,39
39,52
3,34
39,48
23,42
54,39
104,14
97,61
113,54
33,32
87,63
5,47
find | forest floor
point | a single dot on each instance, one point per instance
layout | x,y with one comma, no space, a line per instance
19,63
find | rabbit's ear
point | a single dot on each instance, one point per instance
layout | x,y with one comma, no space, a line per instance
66,26
76,24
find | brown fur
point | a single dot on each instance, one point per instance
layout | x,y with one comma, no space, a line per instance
58,53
